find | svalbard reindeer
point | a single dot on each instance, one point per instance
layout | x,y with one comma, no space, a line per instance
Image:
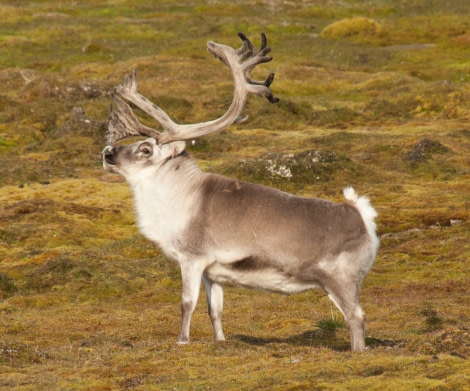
223,230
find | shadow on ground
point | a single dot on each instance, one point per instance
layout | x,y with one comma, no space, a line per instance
318,338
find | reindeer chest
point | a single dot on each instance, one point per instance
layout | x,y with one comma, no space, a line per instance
163,220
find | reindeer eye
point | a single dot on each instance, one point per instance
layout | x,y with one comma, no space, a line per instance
145,149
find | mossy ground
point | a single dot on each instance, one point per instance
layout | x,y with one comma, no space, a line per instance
87,303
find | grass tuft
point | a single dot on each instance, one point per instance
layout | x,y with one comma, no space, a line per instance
432,319
329,326
7,286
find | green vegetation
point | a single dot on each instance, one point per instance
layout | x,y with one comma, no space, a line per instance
373,94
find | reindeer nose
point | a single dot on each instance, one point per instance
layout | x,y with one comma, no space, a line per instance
109,155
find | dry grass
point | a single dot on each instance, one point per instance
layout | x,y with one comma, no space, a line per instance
86,303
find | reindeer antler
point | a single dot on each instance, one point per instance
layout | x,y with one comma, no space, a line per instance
122,123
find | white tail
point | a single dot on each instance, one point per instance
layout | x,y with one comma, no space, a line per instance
368,213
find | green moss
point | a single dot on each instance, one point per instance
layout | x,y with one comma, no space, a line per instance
354,28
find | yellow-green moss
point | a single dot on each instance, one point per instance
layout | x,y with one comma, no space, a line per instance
352,27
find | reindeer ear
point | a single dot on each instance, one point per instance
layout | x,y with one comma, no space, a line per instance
173,149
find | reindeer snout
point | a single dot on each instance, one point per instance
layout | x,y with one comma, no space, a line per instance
109,155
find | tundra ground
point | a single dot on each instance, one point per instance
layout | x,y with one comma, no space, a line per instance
373,94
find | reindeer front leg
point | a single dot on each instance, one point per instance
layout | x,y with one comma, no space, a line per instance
191,273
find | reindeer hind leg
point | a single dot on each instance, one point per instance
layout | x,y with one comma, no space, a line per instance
346,299
215,304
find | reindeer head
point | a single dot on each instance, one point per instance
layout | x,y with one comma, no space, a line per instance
140,159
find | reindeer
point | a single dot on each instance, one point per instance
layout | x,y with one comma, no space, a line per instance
221,230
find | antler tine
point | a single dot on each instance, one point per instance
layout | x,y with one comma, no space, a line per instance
247,49
266,92
242,61
269,80
255,57
122,123
128,90
264,41
258,58
130,83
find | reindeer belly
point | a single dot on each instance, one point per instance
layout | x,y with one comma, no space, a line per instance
253,274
